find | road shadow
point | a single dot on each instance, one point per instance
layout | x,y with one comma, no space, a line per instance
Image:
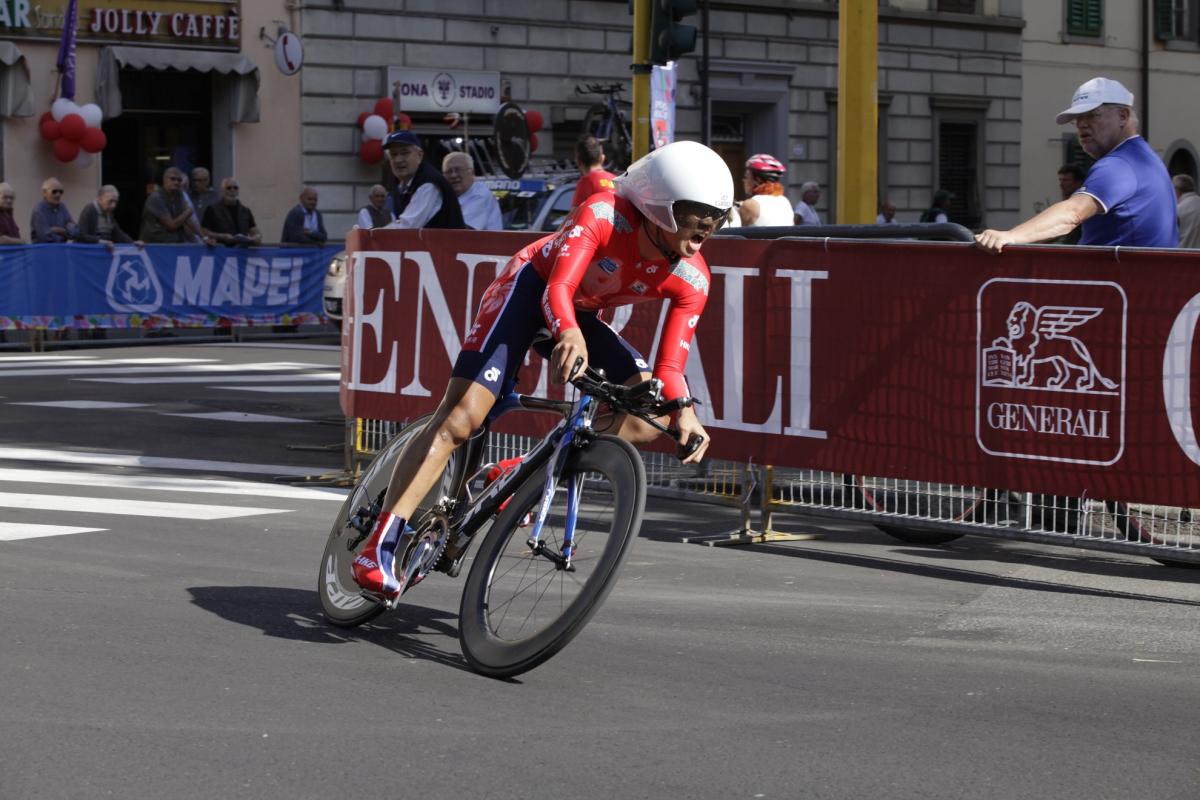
294,614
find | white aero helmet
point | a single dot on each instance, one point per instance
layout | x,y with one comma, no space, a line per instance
677,172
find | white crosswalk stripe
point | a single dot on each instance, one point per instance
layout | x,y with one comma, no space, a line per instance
62,508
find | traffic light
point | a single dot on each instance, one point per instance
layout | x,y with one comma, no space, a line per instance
668,38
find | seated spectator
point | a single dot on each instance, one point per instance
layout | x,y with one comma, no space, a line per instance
480,208
374,214
422,197
10,232
230,222
51,221
201,192
805,212
937,211
97,223
304,224
887,213
167,217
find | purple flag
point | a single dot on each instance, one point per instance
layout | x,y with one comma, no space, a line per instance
66,51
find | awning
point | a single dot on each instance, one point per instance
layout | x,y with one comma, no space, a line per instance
241,75
15,98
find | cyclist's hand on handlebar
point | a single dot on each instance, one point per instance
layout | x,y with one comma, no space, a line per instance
689,428
570,348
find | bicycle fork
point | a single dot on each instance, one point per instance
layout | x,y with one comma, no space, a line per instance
574,485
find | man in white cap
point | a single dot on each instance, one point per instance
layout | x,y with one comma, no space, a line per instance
1127,198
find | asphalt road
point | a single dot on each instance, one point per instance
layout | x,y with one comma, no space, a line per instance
172,645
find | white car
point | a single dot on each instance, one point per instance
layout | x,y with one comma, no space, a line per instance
538,205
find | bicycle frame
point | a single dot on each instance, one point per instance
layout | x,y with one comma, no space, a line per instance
549,454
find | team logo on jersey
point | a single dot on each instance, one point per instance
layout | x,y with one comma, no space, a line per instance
638,287
576,232
653,268
603,211
608,265
692,276
132,285
1051,369
693,320
492,375
640,363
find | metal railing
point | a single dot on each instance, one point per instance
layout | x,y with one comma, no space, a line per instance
916,512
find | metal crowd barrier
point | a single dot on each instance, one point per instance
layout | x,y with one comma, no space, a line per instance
915,512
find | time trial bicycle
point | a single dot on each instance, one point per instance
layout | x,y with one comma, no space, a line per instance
559,523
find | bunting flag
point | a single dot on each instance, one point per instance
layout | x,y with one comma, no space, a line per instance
66,51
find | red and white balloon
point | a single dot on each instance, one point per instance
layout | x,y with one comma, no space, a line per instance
375,125
73,131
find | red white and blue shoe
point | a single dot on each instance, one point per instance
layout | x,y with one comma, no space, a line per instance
374,568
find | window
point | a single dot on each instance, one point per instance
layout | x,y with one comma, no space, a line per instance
957,6
1176,19
958,170
1085,17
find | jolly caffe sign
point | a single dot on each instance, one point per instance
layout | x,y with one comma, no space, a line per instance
194,23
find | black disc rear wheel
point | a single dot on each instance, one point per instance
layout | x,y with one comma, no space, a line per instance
520,607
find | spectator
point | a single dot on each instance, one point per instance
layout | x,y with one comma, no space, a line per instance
480,209
593,177
806,209
230,222
766,204
201,192
887,213
937,209
1127,198
97,223
10,232
423,198
51,221
304,223
1188,208
167,218
1070,179
374,214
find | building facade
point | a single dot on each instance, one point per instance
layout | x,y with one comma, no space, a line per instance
181,83
1151,46
949,88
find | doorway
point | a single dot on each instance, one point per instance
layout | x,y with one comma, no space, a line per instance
166,121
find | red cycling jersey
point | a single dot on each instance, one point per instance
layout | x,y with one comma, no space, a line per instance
597,180
593,262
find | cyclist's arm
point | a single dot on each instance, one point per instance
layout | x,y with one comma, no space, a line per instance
577,246
676,341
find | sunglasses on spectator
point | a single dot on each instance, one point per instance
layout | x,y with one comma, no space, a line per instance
56,191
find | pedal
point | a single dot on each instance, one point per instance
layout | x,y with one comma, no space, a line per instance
388,603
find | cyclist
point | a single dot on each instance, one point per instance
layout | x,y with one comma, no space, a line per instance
638,242
766,204
593,177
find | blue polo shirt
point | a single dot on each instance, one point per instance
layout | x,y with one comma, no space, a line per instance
1136,198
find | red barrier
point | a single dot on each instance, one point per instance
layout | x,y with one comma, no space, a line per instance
1066,371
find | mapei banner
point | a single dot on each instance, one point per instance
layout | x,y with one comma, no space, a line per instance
1070,371
55,286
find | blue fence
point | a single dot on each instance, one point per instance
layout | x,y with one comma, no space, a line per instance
60,286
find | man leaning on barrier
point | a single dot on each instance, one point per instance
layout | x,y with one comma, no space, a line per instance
228,221
1127,198
167,218
10,232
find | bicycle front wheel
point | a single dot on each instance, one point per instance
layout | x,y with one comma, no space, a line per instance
519,608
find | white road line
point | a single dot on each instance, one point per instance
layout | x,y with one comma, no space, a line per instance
167,484
12,531
83,372
152,462
106,362
310,376
6,359
281,389
81,404
235,416
130,508
286,346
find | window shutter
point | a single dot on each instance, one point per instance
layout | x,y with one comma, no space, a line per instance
1085,17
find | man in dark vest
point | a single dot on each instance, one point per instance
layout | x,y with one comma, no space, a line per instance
423,198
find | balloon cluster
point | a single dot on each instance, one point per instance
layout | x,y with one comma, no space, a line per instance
533,121
74,130
375,126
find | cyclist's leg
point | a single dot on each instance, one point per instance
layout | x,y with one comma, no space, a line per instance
622,363
508,319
